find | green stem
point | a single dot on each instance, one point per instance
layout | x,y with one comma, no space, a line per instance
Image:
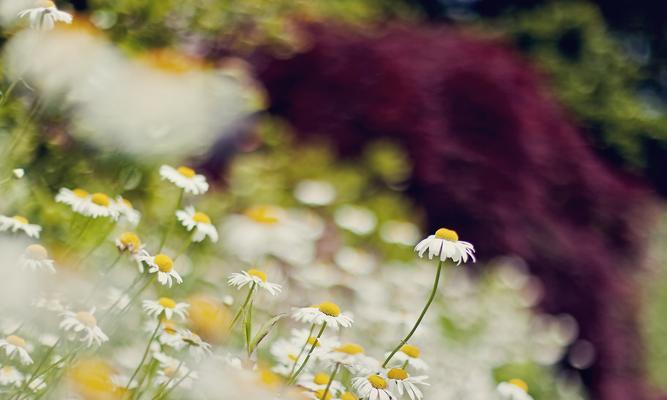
184,248
310,351
161,393
245,303
248,327
174,386
303,348
421,316
143,358
331,378
173,221
102,279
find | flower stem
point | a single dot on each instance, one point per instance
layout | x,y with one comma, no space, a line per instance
303,348
143,358
173,221
421,316
310,351
245,303
331,378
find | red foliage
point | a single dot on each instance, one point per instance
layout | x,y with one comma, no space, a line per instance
496,158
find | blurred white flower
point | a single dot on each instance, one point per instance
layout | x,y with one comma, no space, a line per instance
373,387
352,356
14,344
185,178
126,209
319,381
19,223
404,233
355,261
45,16
402,382
37,258
324,312
10,376
166,306
18,173
445,243
315,193
93,205
173,371
253,276
84,322
200,222
355,219
515,389
409,354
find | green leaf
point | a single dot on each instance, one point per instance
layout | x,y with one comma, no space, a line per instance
264,331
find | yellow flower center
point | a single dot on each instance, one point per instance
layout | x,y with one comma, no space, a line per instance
20,219
48,4
329,308
100,199
268,378
397,373
411,351
257,274
292,357
351,349
166,302
131,241
170,372
521,384
447,234
320,394
186,172
321,378
127,202
86,318
348,396
377,382
7,369
36,252
164,263
80,193
262,214
201,218
15,340
168,327
313,340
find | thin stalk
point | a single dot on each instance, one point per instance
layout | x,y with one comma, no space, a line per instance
303,348
421,316
143,358
310,351
331,378
174,386
161,393
173,221
245,303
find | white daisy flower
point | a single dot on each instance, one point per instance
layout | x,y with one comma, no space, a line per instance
130,242
93,205
75,198
319,381
358,220
409,353
172,371
84,322
169,307
126,210
514,389
373,387
253,276
163,265
445,243
200,222
400,381
19,223
45,16
170,335
196,346
185,178
352,356
16,345
10,376
35,257
324,312
315,193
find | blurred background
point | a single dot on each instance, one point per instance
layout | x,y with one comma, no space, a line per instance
536,129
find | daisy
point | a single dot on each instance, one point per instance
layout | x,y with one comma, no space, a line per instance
10,376
45,16
253,276
164,266
173,371
400,381
353,357
126,210
169,307
197,347
315,193
86,323
514,389
19,223
170,336
445,243
75,198
410,353
373,387
130,242
358,220
16,344
99,205
324,312
319,381
36,257
200,222
185,178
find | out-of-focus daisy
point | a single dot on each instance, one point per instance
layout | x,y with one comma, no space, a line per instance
328,312
445,244
319,381
18,173
163,265
373,387
90,205
352,355
127,210
315,193
185,178
35,257
172,371
196,346
169,335
85,323
45,16
402,382
169,307
355,219
253,276
410,354
405,233
75,198
200,222
16,345
19,223
10,376
515,389
130,242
